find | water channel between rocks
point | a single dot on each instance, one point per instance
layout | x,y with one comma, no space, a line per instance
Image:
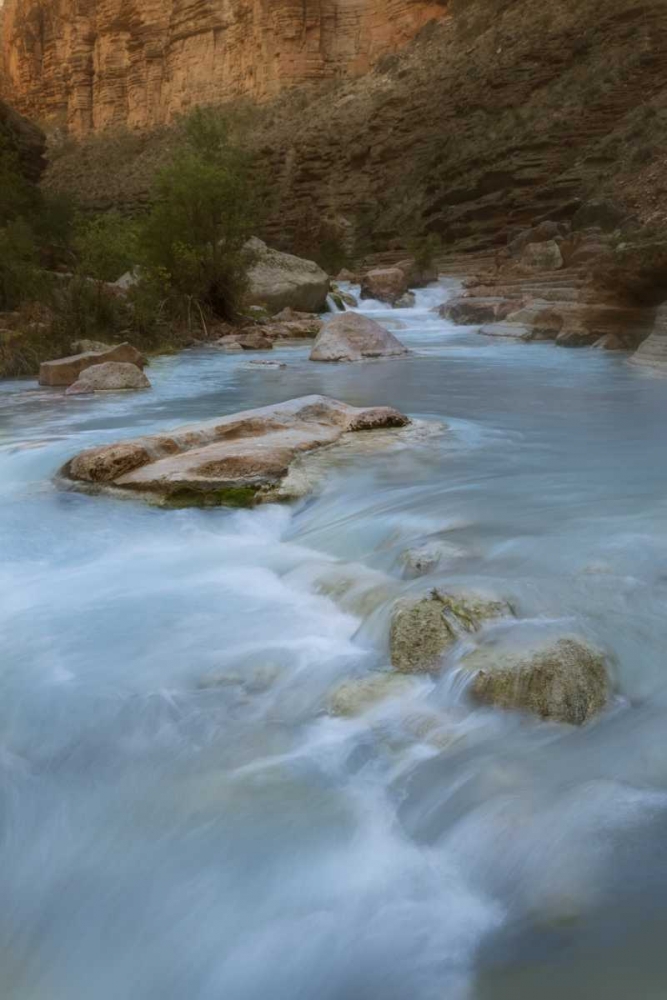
180,814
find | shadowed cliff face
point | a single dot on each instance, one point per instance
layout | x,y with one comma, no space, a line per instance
24,139
94,64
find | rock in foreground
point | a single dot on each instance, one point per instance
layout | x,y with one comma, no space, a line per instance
65,371
109,376
236,460
352,337
279,280
423,629
565,680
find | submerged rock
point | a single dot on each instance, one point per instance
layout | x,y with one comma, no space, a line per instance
512,331
406,301
236,460
352,337
277,280
354,697
426,558
108,376
386,284
65,371
423,629
565,680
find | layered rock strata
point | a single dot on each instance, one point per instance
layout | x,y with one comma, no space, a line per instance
98,63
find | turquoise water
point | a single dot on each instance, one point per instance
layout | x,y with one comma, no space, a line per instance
182,816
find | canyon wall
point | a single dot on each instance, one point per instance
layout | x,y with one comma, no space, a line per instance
96,64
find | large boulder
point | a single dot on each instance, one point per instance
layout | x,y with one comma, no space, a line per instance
423,629
565,680
352,337
108,376
235,460
65,371
277,280
387,284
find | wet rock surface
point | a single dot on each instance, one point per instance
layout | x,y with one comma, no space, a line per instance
109,376
565,680
237,460
353,337
65,371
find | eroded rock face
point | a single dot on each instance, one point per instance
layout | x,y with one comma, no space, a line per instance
423,629
139,62
65,371
279,280
353,337
386,284
236,460
565,680
108,376
653,352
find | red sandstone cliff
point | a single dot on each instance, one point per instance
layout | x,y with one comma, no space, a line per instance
99,63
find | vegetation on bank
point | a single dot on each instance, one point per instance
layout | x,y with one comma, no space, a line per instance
185,254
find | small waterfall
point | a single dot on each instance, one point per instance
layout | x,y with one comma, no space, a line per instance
335,304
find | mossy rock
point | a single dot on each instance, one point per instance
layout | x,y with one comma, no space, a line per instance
232,496
423,629
566,680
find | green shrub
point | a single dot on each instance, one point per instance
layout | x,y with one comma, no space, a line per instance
20,277
106,246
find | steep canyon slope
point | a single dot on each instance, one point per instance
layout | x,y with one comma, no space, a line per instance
503,113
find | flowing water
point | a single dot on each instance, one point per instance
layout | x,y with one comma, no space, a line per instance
182,814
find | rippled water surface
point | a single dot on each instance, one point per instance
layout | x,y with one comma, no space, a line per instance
182,815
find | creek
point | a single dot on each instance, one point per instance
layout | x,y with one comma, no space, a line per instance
181,815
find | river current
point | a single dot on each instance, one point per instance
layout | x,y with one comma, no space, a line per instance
182,814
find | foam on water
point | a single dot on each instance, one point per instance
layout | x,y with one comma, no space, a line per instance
182,815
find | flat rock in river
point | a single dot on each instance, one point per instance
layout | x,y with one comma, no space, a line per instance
236,460
352,337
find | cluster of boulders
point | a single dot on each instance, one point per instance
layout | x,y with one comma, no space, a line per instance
99,367
563,679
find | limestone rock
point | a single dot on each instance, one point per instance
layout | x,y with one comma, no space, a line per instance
542,256
544,321
386,284
278,280
653,352
512,331
352,337
610,342
234,460
65,371
565,680
255,341
478,310
406,301
109,375
423,629
575,336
